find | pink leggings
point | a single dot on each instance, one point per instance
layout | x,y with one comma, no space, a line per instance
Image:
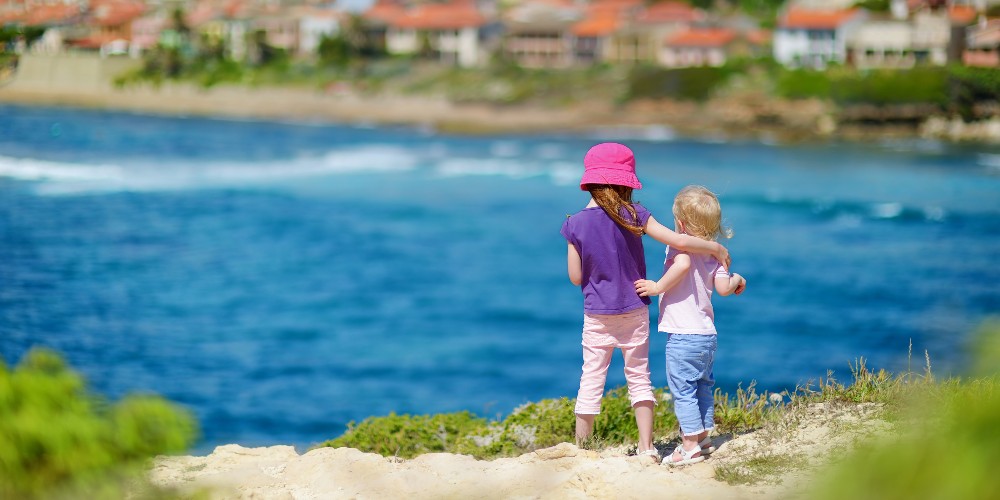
602,334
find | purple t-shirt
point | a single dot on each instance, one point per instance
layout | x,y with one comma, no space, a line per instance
612,260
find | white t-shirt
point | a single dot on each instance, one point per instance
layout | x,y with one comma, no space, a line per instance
687,307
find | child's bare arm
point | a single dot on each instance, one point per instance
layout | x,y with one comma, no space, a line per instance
574,265
686,243
732,284
673,276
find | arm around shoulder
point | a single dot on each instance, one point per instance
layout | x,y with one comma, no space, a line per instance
684,242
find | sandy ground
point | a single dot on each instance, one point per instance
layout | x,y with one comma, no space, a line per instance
811,438
312,105
725,118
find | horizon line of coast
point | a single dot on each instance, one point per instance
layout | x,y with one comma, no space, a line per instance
736,118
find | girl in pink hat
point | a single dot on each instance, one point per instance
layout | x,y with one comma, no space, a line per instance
605,258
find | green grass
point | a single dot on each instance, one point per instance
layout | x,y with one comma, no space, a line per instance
758,468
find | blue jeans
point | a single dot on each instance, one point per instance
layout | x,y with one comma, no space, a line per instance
689,375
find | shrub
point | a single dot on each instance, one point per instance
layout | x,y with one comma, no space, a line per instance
802,84
407,436
697,83
921,85
970,85
744,412
528,428
56,437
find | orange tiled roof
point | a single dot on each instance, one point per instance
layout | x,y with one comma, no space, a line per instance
815,19
236,9
95,41
759,37
50,14
435,16
202,13
710,37
10,17
115,13
601,19
595,26
617,4
666,12
385,11
962,14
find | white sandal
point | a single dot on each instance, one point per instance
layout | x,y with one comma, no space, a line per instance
706,446
687,457
652,452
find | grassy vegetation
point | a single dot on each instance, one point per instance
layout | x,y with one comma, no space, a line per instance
942,442
530,427
950,447
58,440
550,422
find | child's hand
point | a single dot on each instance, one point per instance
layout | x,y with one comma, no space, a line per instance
645,288
742,286
723,256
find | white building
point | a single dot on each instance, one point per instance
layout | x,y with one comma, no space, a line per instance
815,38
454,32
314,24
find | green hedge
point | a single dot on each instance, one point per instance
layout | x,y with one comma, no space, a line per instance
953,88
695,84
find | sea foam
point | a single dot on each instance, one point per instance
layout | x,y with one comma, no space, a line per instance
60,177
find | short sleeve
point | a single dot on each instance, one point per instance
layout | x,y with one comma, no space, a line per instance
670,254
720,272
641,214
567,231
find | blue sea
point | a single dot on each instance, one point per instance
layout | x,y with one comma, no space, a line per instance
283,279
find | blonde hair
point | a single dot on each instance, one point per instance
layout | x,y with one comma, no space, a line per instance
613,198
699,210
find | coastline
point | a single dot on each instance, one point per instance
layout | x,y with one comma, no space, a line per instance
747,117
814,437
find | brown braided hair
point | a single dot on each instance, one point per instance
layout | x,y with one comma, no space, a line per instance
612,198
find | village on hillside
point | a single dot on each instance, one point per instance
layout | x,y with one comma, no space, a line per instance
531,33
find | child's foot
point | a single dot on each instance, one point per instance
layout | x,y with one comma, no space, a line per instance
652,452
681,456
706,446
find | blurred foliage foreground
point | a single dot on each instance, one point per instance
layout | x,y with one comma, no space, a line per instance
58,440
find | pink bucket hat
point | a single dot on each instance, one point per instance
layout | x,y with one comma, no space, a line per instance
609,163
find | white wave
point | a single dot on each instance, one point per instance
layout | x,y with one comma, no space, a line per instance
822,205
54,177
29,169
505,149
887,210
934,214
990,160
914,145
550,151
565,174
847,221
655,133
515,169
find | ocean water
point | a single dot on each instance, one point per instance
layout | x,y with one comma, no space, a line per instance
284,279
